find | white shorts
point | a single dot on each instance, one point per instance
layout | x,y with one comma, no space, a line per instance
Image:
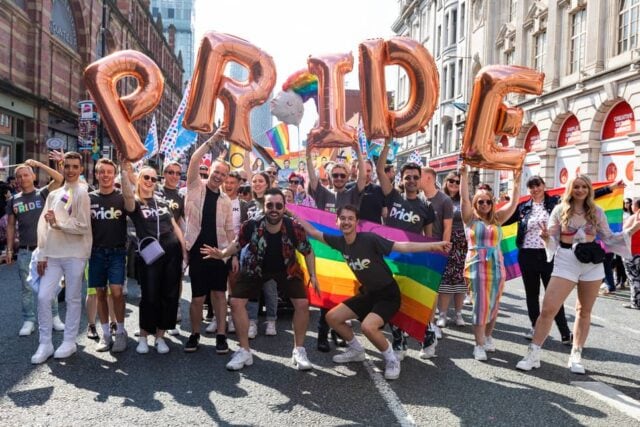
567,266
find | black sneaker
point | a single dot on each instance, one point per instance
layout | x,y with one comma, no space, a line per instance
114,328
92,333
567,339
221,344
192,343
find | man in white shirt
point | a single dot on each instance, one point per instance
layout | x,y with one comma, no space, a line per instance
64,245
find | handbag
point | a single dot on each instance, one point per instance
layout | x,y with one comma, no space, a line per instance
152,251
589,252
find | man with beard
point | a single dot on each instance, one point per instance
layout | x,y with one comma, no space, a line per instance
372,203
271,242
378,298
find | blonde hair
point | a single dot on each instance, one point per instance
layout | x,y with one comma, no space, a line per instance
491,217
590,209
140,175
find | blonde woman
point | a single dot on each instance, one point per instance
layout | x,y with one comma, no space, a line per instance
575,220
484,266
159,281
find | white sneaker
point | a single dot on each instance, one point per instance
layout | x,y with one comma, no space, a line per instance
231,327
65,350
105,343
161,346
399,354
430,351
575,361
459,320
437,331
253,330
212,327
392,369
531,360
489,345
467,300
240,359
57,324
300,360
271,328
442,321
173,332
43,353
479,353
143,346
119,343
27,329
351,355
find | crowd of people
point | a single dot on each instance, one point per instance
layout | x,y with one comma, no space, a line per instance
232,234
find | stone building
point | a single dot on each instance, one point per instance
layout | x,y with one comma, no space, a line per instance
45,46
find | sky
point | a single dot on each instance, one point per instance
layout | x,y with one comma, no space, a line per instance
291,30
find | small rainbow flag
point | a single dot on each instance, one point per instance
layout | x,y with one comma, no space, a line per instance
610,203
279,138
417,274
303,83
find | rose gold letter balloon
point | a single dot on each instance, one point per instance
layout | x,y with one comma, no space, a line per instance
238,98
488,116
424,84
331,130
117,112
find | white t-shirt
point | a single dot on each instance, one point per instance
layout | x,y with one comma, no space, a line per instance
235,215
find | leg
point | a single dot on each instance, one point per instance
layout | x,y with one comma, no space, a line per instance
102,305
557,292
337,319
74,275
195,313
270,289
372,329
300,320
561,318
443,304
117,296
241,321
528,260
91,304
28,304
48,290
587,295
219,301
479,334
458,301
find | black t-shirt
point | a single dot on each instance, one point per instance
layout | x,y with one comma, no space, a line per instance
409,215
108,220
331,201
27,207
365,258
371,203
273,261
175,200
145,217
208,233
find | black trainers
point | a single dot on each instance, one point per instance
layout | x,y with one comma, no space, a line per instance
567,339
337,339
92,333
323,341
192,343
221,344
114,328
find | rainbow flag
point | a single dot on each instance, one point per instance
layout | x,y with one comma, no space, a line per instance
304,84
417,274
279,138
610,203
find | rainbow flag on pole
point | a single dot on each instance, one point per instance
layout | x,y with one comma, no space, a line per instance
279,138
610,203
417,274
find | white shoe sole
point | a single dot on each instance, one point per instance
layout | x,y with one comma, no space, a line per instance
527,368
237,368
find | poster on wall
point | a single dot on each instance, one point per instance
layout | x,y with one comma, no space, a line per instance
567,165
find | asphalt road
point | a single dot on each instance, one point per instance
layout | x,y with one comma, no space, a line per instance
453,389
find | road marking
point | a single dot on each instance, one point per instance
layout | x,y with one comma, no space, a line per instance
610,396
389,396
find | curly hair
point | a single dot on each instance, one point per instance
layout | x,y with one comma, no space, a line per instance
590,209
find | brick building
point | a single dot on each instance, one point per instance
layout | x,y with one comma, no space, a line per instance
45,46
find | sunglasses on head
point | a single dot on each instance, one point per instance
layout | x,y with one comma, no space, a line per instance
274,206
453,181
338,175
149,177
485,202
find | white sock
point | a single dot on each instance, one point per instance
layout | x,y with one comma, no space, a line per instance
355,344
106,329
120,328
535,346
388,354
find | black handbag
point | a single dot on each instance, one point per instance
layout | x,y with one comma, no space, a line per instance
589,252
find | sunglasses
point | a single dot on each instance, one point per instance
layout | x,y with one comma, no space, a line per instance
294,181
338,175
274,206
411,178
485,202
149,177
171,173
270,173
535,183
453,181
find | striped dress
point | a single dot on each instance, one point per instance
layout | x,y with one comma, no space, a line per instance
484,269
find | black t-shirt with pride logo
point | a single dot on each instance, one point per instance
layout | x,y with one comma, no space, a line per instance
408,215
108,219
146,214
175,201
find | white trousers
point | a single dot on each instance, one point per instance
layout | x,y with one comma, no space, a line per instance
73,271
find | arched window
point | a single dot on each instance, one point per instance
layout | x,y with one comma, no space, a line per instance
62,24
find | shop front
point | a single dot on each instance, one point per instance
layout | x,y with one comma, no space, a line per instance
617,151
443,166
568,158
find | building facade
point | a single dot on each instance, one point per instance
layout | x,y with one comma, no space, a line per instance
46,44
181,15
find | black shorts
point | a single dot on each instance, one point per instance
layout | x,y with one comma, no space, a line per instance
384,302
248,287
207,275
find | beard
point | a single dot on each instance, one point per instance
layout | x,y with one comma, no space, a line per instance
274,220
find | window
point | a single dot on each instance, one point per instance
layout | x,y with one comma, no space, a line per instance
445,81
463,11
402,83
424,24
460,82
154,12
171,13
448,136
435,143
415,30
454,26
513,4
540,50
447,30
451,85
508,56
628,25
438,39
578,36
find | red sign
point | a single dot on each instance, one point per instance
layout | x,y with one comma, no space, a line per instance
611,172
532,141
620,122
445,163
564,175
629,171
570,132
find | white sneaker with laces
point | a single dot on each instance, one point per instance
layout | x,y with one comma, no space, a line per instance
437,331
105,343
351,355
459,320
489,345
43,353
271,328
575,361
430,351
173,332
531,360
27,329
161,346
240,359
392,369
65,350
143,346
212,327
57,324
479,353
300,359
442,321
253,329
231,327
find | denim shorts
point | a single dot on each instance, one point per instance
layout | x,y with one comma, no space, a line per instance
107,266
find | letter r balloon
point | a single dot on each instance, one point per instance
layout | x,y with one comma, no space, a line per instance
489,117
118,113
209,83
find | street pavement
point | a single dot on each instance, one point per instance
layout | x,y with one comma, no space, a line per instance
92,388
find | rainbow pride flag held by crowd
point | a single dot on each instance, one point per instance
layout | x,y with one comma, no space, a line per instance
611,204
279,138
417,274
